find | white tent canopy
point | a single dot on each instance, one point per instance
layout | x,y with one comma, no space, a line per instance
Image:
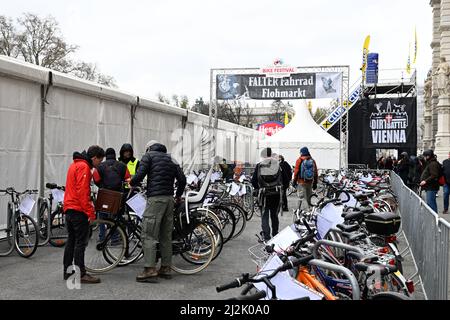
303,131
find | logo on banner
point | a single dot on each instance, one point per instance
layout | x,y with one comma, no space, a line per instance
278,70
270,128
389,123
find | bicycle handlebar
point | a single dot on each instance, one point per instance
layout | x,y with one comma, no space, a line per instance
323,204
12,191
246,278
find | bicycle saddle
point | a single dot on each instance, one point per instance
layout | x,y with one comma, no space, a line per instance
348,227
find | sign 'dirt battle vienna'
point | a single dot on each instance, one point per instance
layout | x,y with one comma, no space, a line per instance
296,86
391,123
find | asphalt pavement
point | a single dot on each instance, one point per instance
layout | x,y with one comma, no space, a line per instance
40,277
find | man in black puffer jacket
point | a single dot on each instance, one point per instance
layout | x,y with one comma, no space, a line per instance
157,226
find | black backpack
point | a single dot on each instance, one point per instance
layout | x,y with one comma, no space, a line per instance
112,175
270,177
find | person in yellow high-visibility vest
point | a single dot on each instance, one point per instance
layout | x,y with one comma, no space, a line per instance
127,157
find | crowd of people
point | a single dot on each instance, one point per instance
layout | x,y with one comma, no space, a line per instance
422,173
161,171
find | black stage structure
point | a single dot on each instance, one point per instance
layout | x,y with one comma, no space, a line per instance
385,117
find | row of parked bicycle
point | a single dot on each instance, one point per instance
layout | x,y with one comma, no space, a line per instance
345,247
213,213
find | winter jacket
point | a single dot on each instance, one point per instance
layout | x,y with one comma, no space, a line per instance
431,175
161,172
297,171
403,169
77,195
127,147
287,173
414,170
111,174
446,168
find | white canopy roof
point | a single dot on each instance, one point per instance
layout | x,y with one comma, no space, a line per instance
303,129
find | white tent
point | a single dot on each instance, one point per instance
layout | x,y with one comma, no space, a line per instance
303,131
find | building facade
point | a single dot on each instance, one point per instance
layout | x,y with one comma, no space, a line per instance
436,113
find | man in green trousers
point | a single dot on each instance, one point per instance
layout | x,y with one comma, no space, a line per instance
157,226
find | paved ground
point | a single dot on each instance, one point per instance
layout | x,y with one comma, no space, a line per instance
40,277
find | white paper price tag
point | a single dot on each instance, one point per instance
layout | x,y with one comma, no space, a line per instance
58,195
138,203
26,204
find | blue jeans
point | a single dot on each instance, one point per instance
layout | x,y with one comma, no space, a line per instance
431,200
446,195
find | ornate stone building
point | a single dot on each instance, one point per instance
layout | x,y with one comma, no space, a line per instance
437,85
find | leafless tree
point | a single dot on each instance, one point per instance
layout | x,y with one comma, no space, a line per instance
8,38
279,108
39,41
236,111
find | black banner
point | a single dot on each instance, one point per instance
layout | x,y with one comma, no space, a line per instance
390,123
260,87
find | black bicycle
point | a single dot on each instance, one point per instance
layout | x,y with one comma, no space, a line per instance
52,220
21,230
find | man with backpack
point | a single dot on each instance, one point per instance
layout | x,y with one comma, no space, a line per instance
111,175
305,175
268,180
430,178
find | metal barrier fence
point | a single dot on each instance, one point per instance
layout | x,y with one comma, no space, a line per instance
428,239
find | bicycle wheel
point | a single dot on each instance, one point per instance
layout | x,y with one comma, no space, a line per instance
134,250
27,236
240,217
197,246
228,221
58,230
218,241
44,211
102,256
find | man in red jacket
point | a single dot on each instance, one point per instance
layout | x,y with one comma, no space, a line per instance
79,209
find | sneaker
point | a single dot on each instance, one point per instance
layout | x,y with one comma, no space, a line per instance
87,278
445,212
148,275
165,272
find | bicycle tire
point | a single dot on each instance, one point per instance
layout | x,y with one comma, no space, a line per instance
240,217
58,229
43,228
209,257
100,259
218,237
227,219
29,234
134,249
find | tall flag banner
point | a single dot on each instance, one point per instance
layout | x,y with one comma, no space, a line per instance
408,65
415,45
286,118
365,53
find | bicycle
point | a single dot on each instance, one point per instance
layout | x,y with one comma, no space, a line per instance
52,223
20,225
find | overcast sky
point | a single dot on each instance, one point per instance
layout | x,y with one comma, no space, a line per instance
170,46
